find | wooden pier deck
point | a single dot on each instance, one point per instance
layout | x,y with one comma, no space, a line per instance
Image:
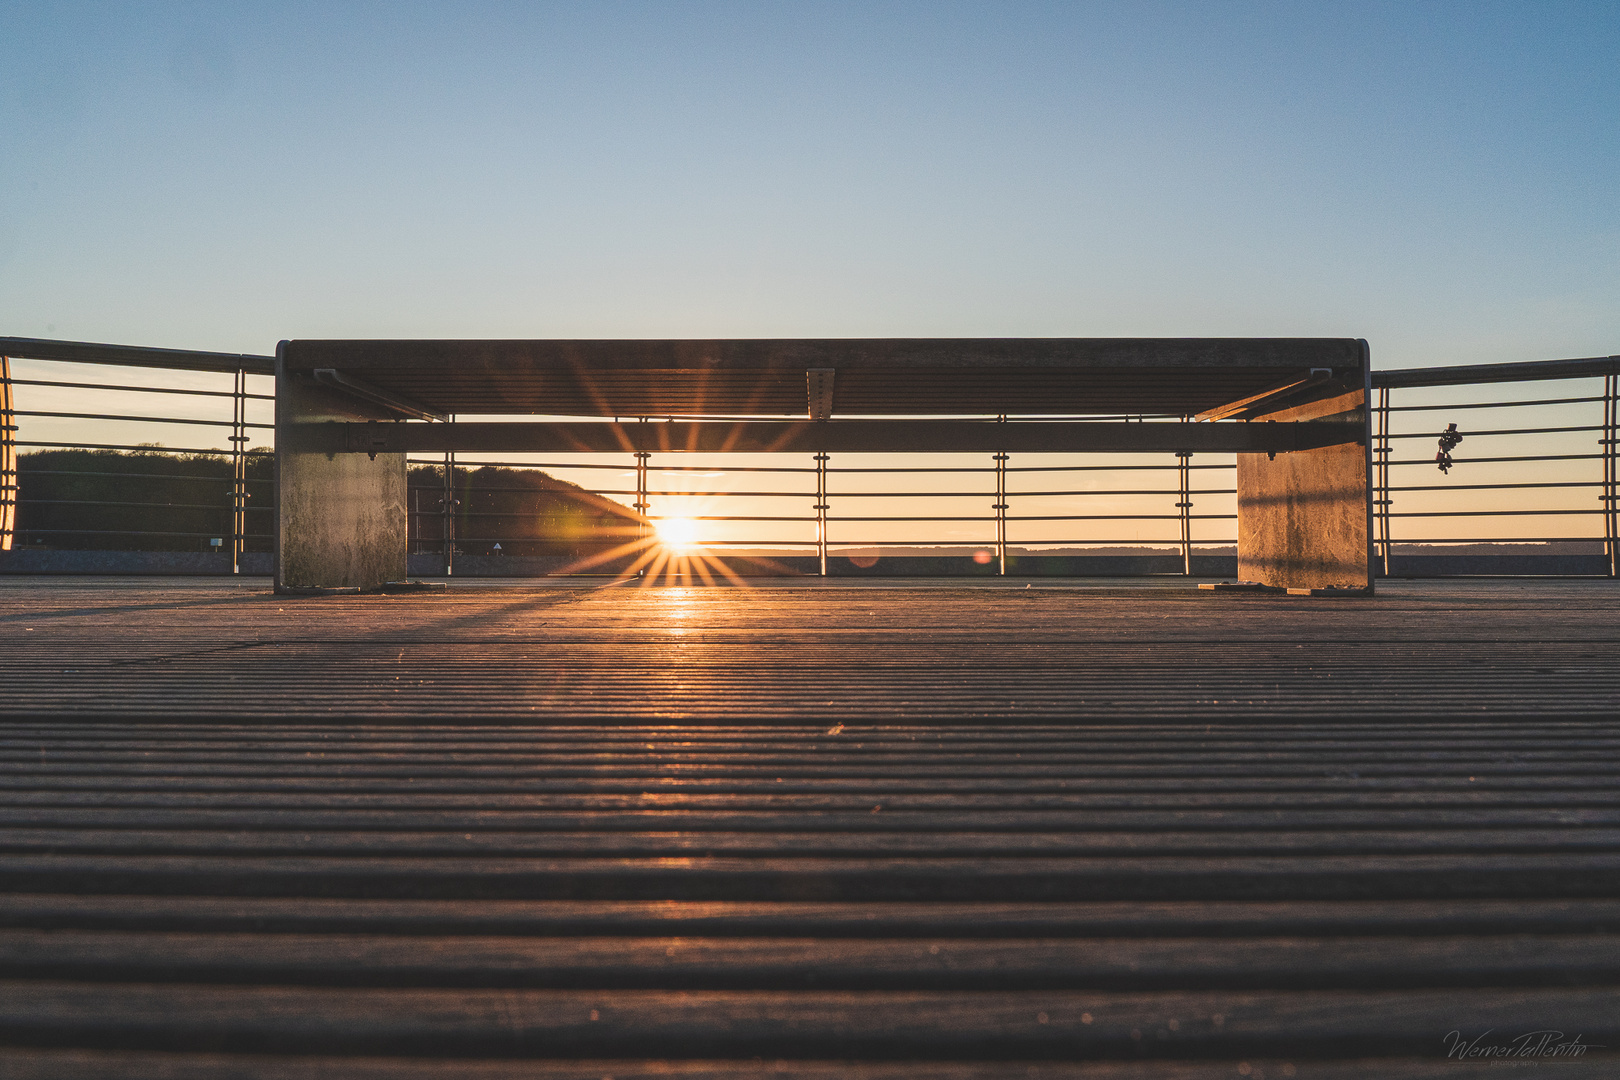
863,830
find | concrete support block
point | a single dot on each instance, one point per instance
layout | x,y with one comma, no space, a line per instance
1304,519
340,517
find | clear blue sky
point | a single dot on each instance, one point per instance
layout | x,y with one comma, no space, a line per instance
1442,179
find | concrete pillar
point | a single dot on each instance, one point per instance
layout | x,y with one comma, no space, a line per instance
340,517
1304,518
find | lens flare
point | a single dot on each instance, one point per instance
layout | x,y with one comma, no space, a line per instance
678,533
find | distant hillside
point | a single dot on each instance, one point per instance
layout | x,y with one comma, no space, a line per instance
525,511
157,500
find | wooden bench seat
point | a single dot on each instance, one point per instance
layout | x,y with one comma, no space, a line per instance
1293,409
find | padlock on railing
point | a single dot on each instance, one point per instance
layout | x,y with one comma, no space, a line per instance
1449,439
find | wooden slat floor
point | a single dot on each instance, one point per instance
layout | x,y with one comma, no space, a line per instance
870,831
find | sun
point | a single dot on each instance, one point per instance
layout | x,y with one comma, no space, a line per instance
678,533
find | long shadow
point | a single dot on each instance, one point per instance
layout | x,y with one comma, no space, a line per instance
168,605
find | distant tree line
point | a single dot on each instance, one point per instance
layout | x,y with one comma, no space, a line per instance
158,500
142,500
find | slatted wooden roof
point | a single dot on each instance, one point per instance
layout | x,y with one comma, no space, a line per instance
1017,376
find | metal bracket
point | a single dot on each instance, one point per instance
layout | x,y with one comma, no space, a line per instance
375,394
819,383
1271,395
373,441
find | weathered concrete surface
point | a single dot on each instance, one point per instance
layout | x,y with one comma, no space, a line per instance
1303,517
340,518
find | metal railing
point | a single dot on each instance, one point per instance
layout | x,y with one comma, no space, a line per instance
133,467
833,508
1535,470
1548,461
8,458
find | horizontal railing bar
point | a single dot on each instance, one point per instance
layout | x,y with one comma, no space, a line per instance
754,418
1496,404
431,516
25,470
140,389
1107,468
632,491
437,545
726,494
1462,375
738,517
1494,487
220,507
1170,542
844,548
138,419
933,494
137,448
855,494
1597,510
1113,517
990,470
653,467
1499,431
480,490
87,352
473,466
1124,491
1486,460
1449,542
833,494
134,532
831,519
626,522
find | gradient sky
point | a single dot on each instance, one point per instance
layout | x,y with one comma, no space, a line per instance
1442,179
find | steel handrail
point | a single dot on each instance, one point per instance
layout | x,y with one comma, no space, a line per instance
1392,498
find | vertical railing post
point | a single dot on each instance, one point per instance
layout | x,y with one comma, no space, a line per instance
1184,471
8,458
1381,497
1611,481
821,510
1001,507
1001,513
447,506
239,439
642,504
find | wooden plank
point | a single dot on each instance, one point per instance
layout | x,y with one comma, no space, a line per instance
1396,802
496,743
787,1023
1482,875
847,751
51,1064
893,919
976,827
777,963
1329,782
1005,844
